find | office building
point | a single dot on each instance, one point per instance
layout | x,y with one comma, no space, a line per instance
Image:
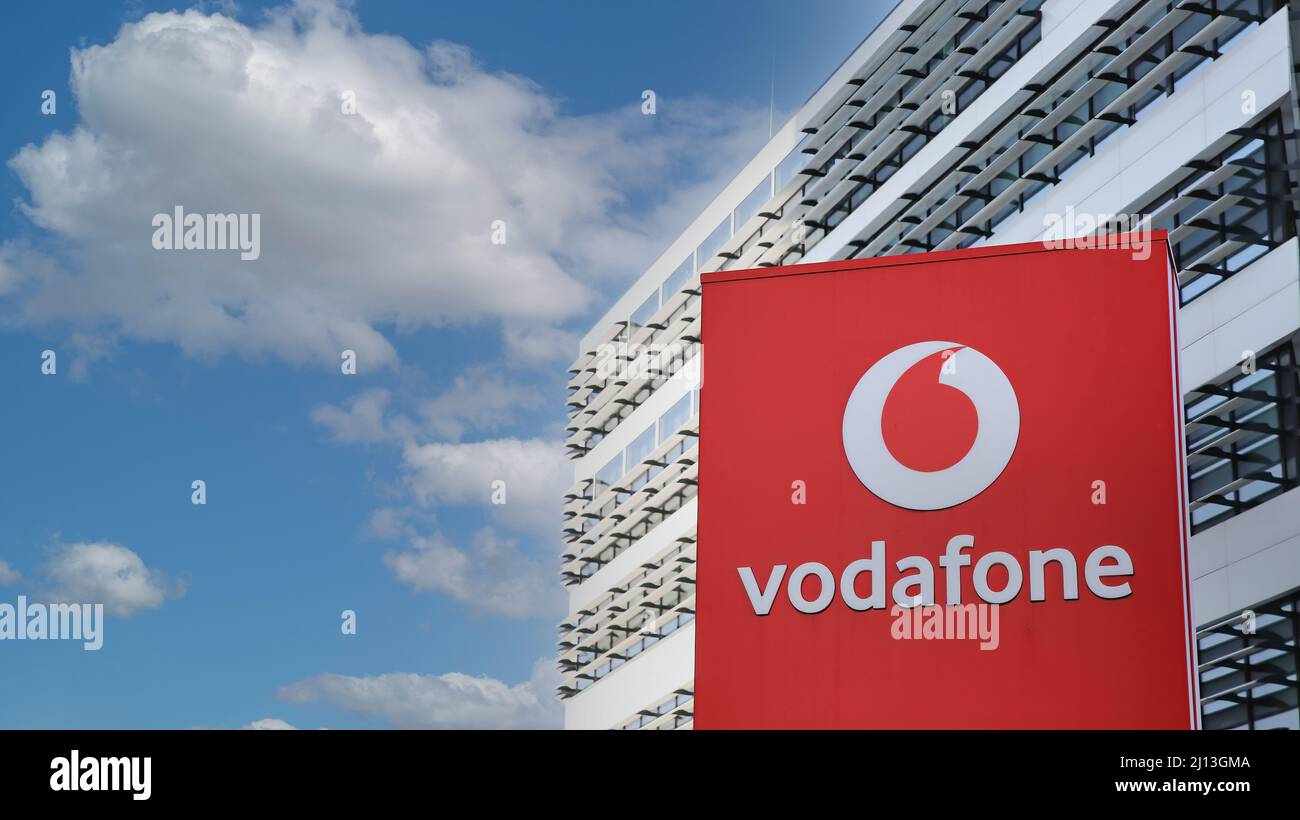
958,123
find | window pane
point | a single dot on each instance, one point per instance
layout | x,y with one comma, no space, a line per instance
756,199
680,277
642,314
641,447
709,247
609,474
675,418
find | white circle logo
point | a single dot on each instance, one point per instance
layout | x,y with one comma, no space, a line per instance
998,420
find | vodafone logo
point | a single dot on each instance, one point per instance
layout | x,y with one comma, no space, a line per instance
996,423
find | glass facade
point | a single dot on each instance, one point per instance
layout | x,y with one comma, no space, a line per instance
1248,667
1243,436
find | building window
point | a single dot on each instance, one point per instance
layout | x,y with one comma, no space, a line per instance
1243,436
869,181
1248,667
1227,210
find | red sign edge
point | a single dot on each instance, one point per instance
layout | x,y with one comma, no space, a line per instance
720,276
1184,491
1180,441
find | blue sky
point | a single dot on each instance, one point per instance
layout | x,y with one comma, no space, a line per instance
328,492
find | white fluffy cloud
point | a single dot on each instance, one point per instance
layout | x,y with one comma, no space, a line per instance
540,345
480,399
450,701
492,576
374,219
515,482
8,575
363,421
268,723
107,573
534,471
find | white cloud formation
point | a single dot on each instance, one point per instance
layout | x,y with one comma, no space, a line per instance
534,472
515,482
373,219
269,723
363,421
450,701
388,523
536,345
107,573
479,399
9,262
8,575
492,576
86,350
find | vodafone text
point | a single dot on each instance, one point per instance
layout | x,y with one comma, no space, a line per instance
93,774
1107,561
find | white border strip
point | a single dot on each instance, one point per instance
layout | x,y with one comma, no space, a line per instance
1180,442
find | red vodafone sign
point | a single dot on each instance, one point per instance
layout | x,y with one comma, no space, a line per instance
944,491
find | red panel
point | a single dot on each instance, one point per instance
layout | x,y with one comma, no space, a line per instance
1087,340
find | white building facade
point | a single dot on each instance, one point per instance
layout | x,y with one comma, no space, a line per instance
960,123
